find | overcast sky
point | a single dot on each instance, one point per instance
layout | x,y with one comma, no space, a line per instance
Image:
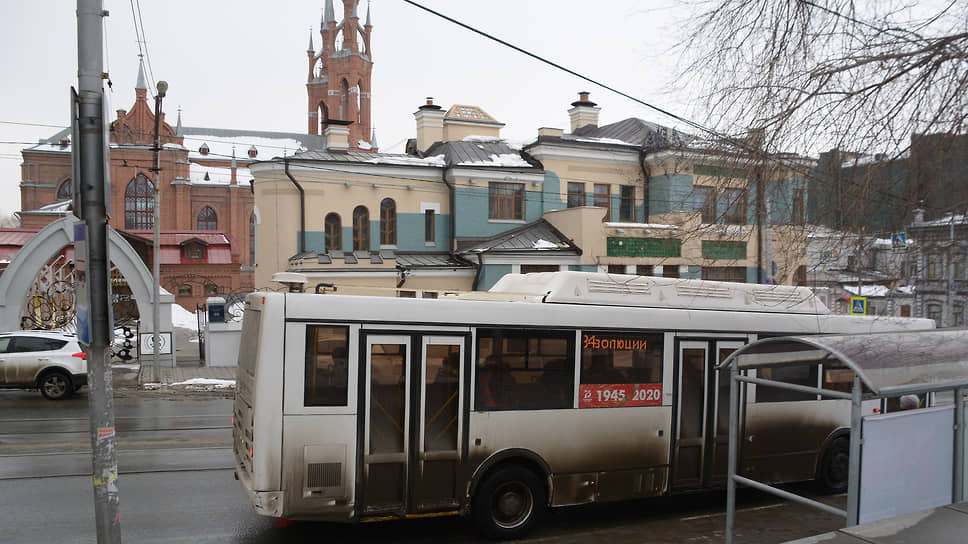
242,63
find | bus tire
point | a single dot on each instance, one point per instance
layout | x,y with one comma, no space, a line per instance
509,502
834,469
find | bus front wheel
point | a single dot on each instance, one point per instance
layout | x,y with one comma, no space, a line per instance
508,503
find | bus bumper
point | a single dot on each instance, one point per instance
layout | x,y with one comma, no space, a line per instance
267,503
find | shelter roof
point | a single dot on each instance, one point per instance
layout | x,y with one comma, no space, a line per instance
888,363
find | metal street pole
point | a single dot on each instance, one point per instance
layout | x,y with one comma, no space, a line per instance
156,226
90,152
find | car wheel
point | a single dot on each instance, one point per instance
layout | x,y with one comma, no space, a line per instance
508,503
55,385
834,470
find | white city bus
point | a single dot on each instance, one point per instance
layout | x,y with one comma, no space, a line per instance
581,387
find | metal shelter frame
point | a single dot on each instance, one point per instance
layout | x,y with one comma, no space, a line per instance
884,365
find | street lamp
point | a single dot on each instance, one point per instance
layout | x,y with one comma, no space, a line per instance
156,249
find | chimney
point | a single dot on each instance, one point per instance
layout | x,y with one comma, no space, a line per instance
337,137
430,124
552,132
584,112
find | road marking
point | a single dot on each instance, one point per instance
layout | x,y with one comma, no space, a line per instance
702,516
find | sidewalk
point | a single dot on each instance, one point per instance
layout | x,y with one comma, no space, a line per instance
190,376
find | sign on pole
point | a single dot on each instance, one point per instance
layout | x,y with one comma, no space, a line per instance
858,305
81,305
898,241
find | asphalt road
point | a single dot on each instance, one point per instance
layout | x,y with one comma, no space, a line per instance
176,485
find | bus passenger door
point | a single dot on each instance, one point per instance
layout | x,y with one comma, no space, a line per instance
386,426
690,441
719,450
441,425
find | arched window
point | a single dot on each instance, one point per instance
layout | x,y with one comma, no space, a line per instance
388,222
139,203
252,239
334,232
344,99
361,228
207,219
66,190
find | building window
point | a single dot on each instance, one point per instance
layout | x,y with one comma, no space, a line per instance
252,239
185,290
958,315
602,199
388,222
430,228
505,201
958,266
706,203
934,267
796,208
906,310
616,269
800,276
66,190
207,219
529,268
139,203
576,194
334,232
670,271
736,274
643,270
734,204
361,229
626,209
211,290
194,251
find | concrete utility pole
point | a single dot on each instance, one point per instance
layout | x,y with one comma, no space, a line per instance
91,152
156,227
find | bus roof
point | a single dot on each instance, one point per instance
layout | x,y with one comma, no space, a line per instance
601,289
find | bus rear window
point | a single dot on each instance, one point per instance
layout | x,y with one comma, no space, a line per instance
520,370
326,365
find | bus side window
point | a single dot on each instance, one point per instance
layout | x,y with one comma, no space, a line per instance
804,374
326,365
627,358
521,370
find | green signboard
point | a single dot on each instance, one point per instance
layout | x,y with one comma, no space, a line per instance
717,249
643,247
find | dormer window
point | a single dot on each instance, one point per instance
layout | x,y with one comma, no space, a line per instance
253,152
193,251
203,150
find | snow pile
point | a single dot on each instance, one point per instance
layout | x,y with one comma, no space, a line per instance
504,159
407,160
182,318
206,383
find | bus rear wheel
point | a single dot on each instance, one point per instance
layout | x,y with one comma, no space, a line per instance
508,503
834,467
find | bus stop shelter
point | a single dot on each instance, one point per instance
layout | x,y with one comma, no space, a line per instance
884,365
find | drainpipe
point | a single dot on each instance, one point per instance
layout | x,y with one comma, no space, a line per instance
453,216
302,207
477,275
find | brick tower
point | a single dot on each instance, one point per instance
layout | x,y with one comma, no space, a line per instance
338,85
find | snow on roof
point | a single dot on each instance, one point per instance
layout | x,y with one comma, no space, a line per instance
867,290
614,141
62,206
504,160
436,160
640,225
948,219
216,174
544,244
363,144
221,146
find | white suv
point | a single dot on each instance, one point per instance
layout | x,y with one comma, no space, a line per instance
50,361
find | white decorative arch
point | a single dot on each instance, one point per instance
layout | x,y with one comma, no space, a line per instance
27,263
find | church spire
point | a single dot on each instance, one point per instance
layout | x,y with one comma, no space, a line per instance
356,4
140,84
311,49
179,131
369,10
329,15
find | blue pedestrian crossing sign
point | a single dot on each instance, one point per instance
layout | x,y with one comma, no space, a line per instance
858,305
898,241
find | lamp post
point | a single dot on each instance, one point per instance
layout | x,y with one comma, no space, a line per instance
156,227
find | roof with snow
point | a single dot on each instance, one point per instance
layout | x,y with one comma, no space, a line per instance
539,236
222,141
480,152
473,114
